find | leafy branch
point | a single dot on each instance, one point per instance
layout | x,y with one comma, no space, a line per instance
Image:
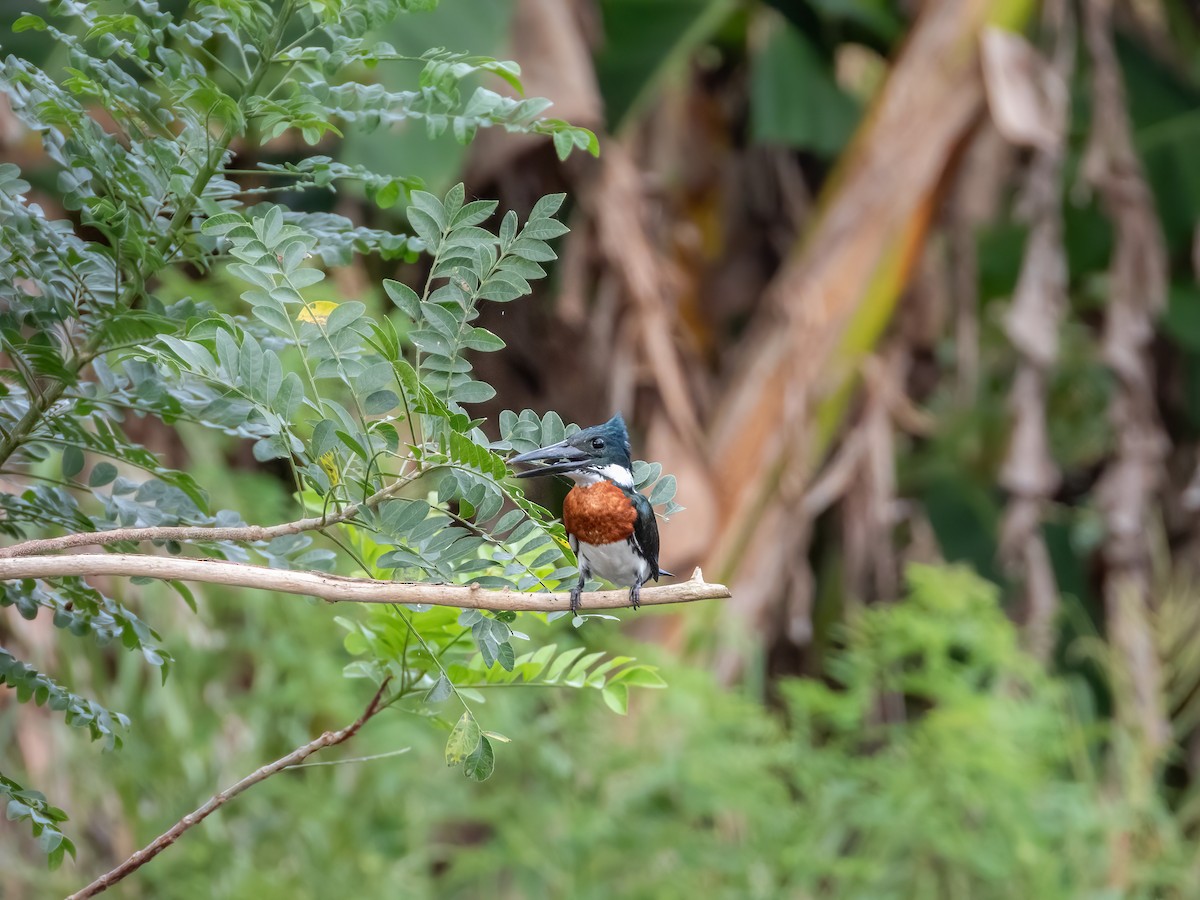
25,805
367,413
202,533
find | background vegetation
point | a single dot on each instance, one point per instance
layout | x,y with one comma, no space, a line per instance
908,306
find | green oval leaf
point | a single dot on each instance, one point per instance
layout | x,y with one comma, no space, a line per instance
222,223
663,491
72,462
440,690
406,299
102,474
380,402
464,740
474,392
482,762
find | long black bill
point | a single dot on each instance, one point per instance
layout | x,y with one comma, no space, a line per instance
552,460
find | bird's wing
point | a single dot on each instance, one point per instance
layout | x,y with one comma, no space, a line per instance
645,532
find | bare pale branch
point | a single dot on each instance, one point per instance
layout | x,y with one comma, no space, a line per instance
339,588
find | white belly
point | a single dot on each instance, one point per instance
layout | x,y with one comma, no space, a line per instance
615,562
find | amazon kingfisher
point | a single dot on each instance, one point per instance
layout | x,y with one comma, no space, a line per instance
611,526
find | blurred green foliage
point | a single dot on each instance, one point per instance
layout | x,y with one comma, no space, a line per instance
941,761
143,133
408,150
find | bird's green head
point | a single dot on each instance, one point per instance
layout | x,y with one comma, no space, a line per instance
599,452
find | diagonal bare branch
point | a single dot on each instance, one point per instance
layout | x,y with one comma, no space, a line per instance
172,834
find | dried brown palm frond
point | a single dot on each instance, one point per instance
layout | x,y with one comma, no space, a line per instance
833,297
1128,490
1029,99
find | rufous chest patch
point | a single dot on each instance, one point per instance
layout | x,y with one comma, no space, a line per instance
599,513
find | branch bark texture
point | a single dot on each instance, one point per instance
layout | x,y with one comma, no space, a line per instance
338,588
172,834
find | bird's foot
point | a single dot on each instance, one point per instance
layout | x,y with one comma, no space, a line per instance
635,593
575,592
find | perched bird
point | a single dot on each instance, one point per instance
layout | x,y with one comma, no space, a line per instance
610,525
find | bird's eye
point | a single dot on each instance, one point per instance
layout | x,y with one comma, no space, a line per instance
597,443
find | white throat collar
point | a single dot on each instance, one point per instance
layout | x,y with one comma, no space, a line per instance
617,474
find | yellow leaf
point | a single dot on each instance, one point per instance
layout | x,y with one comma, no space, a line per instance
329,463
316,312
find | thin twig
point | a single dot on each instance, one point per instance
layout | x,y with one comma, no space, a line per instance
353,759
184,534
172,834
339,588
